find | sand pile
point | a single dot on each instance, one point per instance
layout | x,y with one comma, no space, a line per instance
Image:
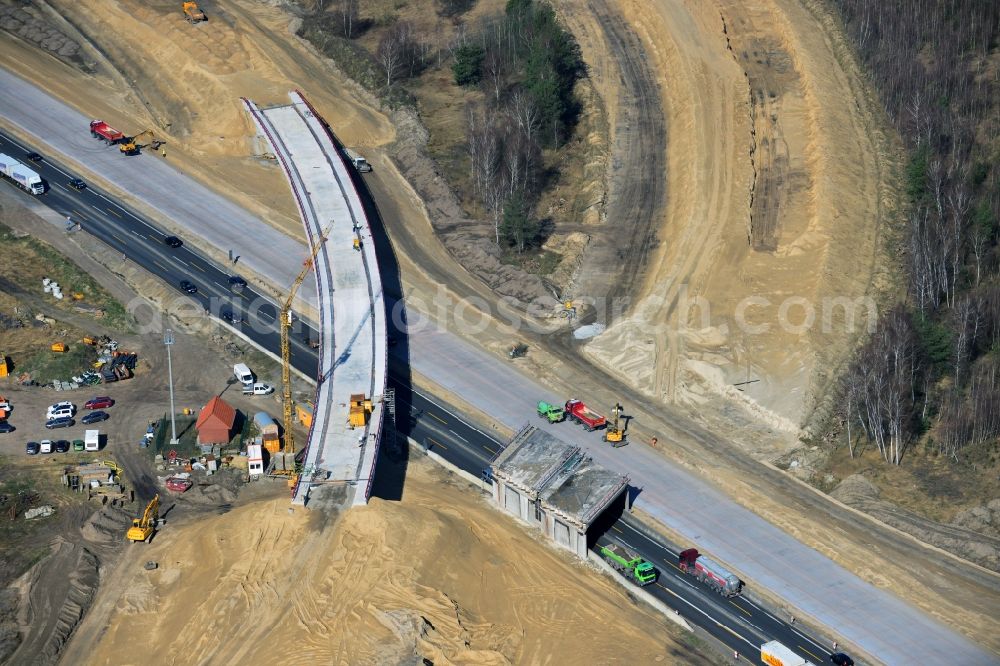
439,576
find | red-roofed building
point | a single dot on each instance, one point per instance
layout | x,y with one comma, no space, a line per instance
215,423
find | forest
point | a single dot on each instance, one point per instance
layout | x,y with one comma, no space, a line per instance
524,63
930,373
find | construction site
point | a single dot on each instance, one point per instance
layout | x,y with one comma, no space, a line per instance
281,363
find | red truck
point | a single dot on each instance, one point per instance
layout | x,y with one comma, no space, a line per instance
101,130
579,412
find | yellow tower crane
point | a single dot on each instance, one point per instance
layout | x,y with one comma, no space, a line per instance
285,318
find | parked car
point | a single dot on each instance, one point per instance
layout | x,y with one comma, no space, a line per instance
189,287
65,404
61,422
61,446
32,448
173,241
6,427
46,446
78,445
77,184
101,402
257,388
94,417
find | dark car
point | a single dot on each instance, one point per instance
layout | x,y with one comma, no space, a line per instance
841,659
99,402
173,241
237,284
231,317
34,157
94,417
61,422
32,448
60,446
6,427
78,184
189,287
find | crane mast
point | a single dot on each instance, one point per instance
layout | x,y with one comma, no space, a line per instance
285,319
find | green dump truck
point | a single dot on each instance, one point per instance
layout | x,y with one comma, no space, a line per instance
629,564
553,413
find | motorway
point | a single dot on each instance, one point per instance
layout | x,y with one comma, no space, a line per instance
740,624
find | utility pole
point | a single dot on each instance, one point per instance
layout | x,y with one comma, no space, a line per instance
168,340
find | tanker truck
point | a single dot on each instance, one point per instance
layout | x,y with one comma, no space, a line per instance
711,573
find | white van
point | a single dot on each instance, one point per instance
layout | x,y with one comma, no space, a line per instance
60,413
59,409
257,388
243,374
92,440
45,446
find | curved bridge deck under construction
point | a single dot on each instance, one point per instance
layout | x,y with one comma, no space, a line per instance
351,311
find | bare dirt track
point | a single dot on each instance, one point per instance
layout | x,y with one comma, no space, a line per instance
776,180
437,576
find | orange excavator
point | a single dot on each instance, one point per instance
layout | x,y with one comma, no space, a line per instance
193,13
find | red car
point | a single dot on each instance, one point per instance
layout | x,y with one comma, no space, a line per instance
178,484
98,403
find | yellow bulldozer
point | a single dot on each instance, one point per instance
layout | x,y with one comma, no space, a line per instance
134,145
143,528
193,13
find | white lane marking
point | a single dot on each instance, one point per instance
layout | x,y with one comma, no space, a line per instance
457,435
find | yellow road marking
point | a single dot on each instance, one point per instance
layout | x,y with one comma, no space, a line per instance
114,212
742,609
437,443
816,657
160,265
120,239
435,416
489,449
671,564
616,529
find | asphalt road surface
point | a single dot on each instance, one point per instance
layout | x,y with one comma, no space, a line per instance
739,623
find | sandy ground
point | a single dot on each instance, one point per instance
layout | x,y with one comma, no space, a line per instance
776,171
436,576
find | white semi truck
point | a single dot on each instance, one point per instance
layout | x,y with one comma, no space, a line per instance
19,174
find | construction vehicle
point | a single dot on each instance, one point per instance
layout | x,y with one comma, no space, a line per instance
134,145
142,528
19,174
579,412
629,564
113,466
360,410
58,347
285,319
553,413
774,653
517,350
615,434
711,573
357,161
101,130
193,13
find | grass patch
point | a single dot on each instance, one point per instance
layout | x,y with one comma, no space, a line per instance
46,366
540,262
27,260
187,436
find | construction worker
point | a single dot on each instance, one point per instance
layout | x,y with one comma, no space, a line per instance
835,646
736,655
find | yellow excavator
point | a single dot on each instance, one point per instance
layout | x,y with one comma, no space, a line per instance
614,433
134,145
142,528
193,13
